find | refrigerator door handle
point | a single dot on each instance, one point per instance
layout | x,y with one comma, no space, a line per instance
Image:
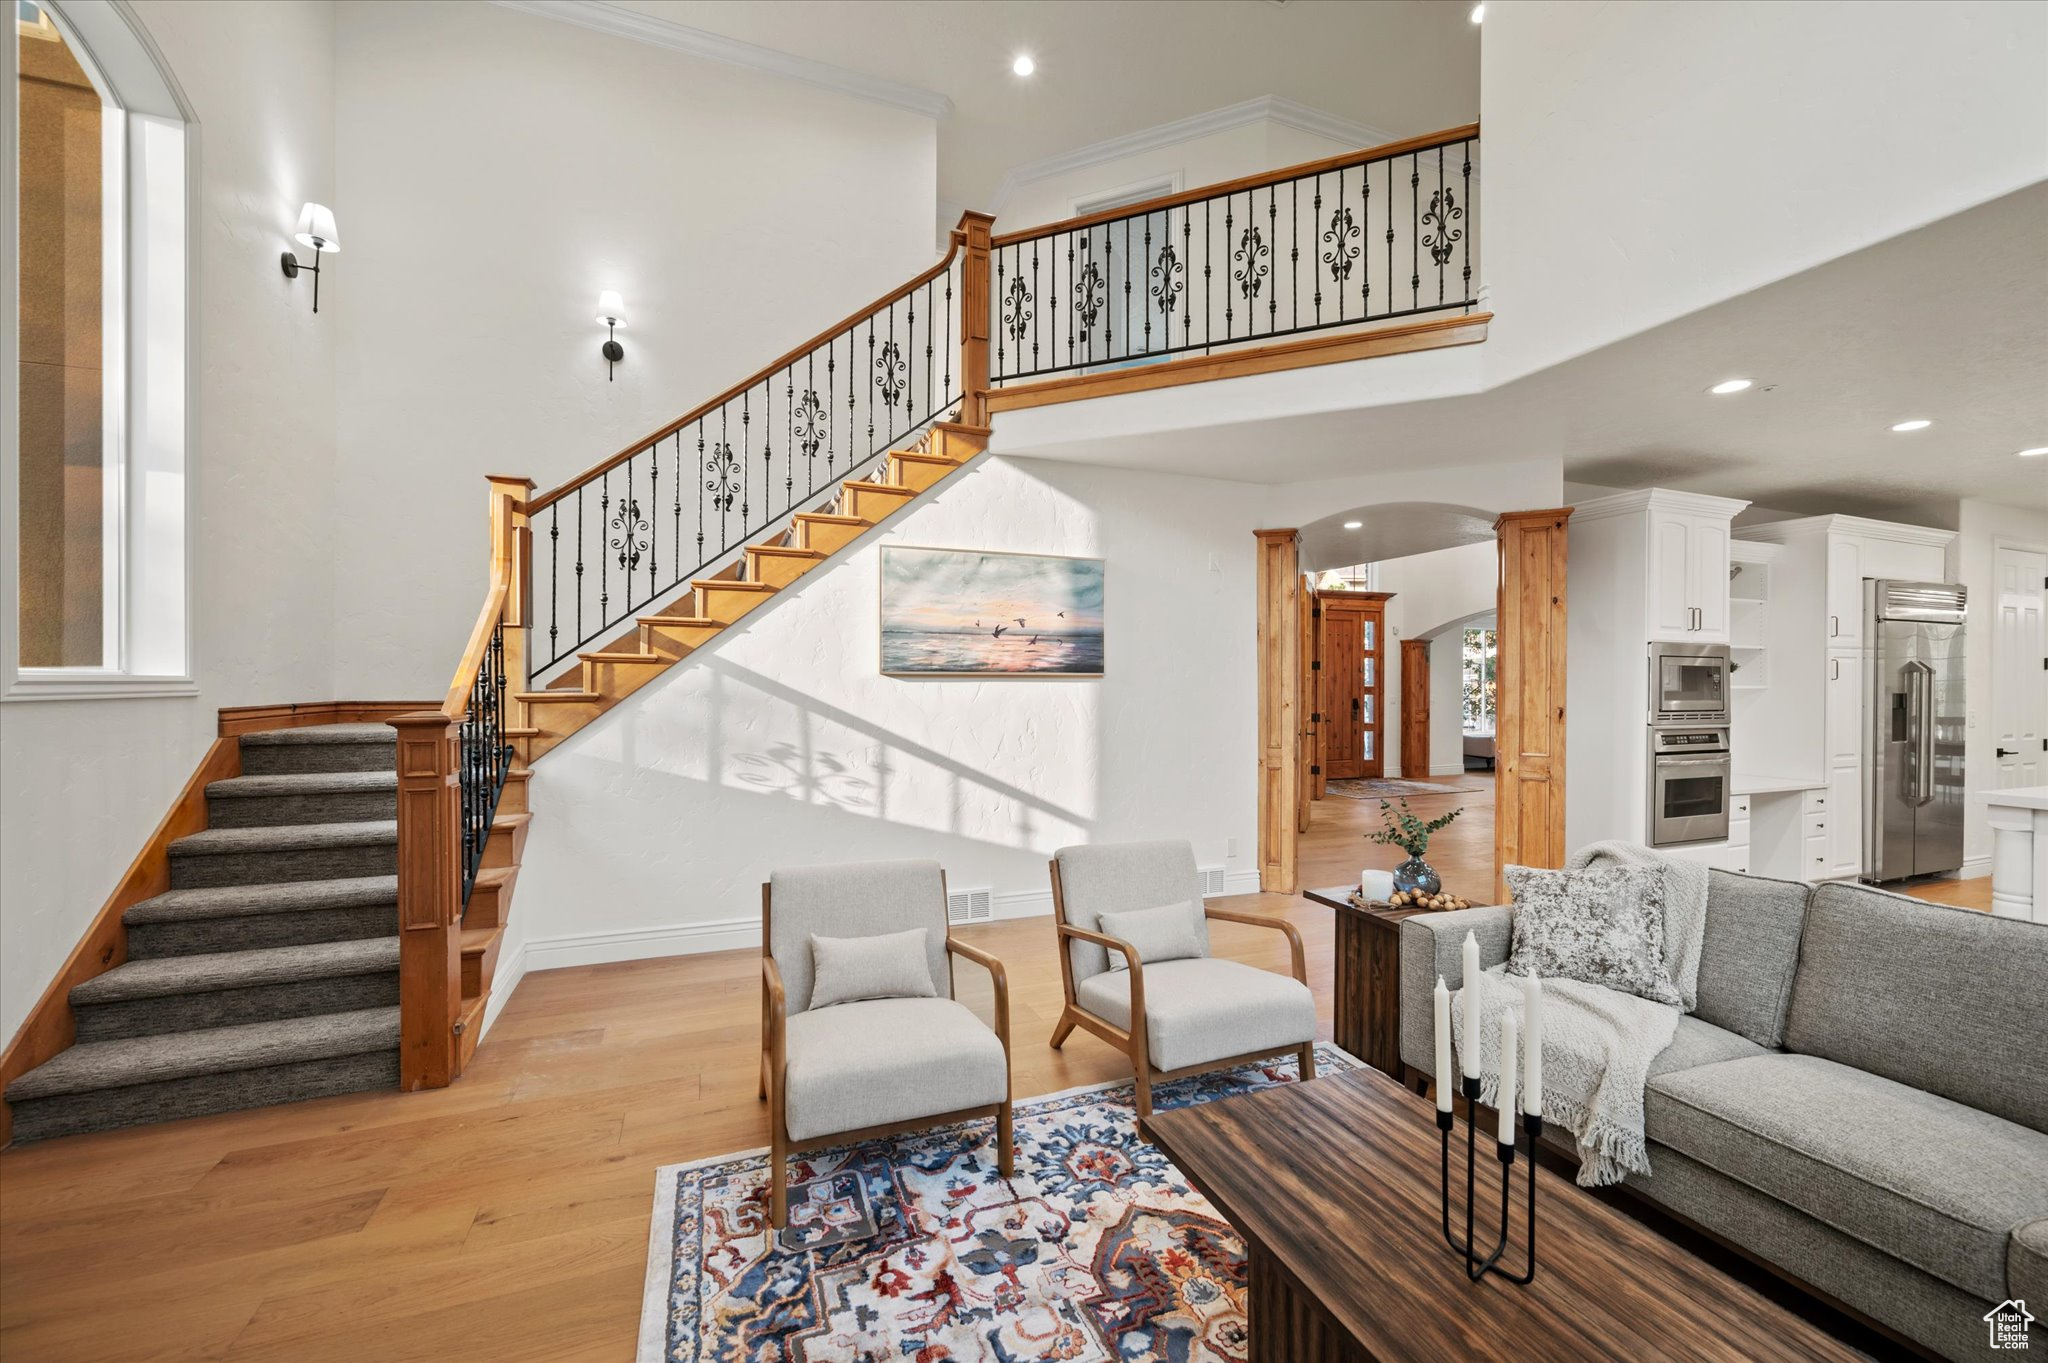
1919,733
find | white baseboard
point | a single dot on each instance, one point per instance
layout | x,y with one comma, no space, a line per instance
1974,867
1448,769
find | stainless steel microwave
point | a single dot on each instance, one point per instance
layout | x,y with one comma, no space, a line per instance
1689,683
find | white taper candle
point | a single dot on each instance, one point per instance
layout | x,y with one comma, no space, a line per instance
1443,1046
1532,1045
1506,1096
1471,987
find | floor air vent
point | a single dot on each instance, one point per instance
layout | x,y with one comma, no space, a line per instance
1212,881
970,906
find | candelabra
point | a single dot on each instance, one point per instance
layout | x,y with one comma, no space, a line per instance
1477,1265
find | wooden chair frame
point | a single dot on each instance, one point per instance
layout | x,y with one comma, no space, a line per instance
774,1078
1135,1042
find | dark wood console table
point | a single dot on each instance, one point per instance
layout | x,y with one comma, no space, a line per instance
1334,1186
1368,978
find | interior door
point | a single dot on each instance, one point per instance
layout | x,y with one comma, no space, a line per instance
2019,669
1343,671
1414,708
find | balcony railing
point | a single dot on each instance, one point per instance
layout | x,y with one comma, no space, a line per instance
1368,237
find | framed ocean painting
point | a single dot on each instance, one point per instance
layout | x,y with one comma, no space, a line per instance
965,613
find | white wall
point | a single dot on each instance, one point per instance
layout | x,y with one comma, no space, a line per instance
1260,145
82,783
1981,528
1430,591
1648,159
785,746
496,171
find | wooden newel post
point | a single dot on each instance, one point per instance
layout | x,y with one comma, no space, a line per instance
512,542
429,899
1529,680
975,313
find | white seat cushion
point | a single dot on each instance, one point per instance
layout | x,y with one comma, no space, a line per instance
1206,1009
882,1061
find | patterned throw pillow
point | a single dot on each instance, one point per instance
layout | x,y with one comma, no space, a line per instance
1603,925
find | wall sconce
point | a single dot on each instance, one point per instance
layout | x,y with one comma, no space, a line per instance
316,229
612,313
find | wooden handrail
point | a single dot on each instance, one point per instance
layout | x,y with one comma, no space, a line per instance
456,705
535,505
1342,161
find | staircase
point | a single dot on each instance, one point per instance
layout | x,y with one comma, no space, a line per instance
655,642
268,972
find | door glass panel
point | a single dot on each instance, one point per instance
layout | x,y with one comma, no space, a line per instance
1368,674
1368,709
1366,746
1371,643
1685,796
61,474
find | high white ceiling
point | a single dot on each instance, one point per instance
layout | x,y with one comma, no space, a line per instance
1107,68
1948,323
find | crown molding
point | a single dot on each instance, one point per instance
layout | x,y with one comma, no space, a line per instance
1660,498
1805,527
1266,108
633,26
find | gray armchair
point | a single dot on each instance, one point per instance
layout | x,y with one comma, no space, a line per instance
1172,1017
875,1067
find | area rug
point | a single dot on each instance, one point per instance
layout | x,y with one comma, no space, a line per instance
1391,787
915,1250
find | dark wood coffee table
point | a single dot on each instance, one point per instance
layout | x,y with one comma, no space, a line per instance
1333,1185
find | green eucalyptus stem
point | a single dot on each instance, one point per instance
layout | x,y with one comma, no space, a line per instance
1405,831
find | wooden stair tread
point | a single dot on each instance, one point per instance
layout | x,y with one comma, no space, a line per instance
924,457
476,941
723,584
785,551
680,621
891,489
566,695
833,518
622,658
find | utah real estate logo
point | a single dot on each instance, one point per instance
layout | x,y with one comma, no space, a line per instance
2008,1322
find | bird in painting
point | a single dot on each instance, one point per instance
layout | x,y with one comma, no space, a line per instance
1062,615
999,631
1020,624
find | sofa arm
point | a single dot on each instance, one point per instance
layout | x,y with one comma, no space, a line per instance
1430,946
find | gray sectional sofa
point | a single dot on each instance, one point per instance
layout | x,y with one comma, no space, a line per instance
1860,1099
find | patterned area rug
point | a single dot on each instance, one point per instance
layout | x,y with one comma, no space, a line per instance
915,1250
1392,787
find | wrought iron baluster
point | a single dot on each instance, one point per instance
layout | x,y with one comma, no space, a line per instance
1472,227
1294,254
1365,226
746,468
1148,270
604,509
654,509
1229,236
1002,330
1272,233
1414,231
947,350
579,563
677,542
1390,236
1187,249
1208,268
1035,294
554,581
1127,285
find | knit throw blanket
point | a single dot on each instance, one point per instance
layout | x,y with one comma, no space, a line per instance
1598,1043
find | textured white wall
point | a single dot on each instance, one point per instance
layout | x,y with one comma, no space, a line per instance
1981,527
785,746
82,783
497,170
1645,160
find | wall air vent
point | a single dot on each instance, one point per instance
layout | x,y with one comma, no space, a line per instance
1212,881
970,906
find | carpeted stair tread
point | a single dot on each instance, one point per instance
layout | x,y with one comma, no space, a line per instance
250,901
321,733
293,837
96,1065
167,975
302,783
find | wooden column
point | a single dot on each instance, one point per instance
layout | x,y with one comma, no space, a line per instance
975,312
1414,709
1528,820
429,899
1279,588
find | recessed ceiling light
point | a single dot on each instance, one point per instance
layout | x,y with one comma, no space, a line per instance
1731,385
1478,15
1916,424
1023,66
1353,525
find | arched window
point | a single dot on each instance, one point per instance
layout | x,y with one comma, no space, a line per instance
96,233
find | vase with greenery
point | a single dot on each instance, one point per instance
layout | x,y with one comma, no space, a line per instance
1411,834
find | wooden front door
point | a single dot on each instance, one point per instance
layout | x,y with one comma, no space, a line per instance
1354,680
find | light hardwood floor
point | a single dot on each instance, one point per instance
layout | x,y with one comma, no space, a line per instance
504,1218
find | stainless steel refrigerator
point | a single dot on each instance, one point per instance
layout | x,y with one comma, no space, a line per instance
1915,715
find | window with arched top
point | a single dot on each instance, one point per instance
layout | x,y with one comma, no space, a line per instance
93,465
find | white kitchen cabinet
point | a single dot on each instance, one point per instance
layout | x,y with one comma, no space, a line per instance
1843,833
1845,591
1844,709
1645,567
1688,561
